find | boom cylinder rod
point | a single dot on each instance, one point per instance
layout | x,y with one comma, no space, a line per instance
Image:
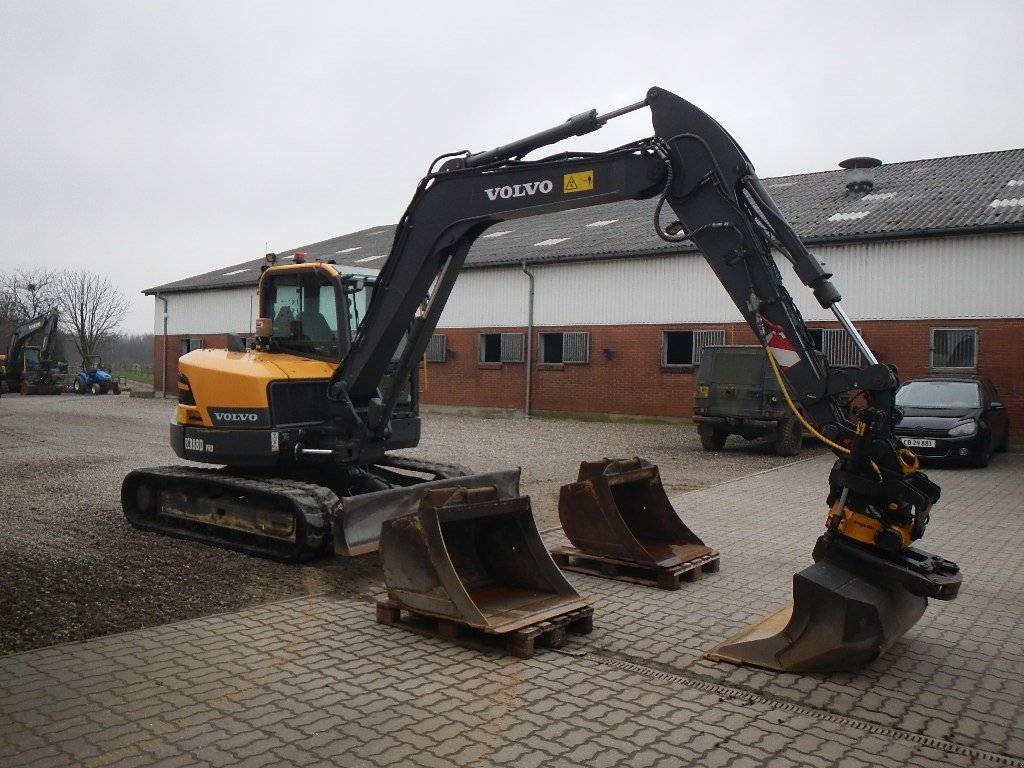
620,112
858,340
581,124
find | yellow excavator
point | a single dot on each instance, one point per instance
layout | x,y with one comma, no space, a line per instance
303,423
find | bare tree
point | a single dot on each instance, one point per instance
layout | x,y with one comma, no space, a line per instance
27,292
90,309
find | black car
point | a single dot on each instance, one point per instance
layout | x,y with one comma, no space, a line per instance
952,419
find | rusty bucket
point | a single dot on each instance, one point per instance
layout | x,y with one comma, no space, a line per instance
618,509
358,521
473,556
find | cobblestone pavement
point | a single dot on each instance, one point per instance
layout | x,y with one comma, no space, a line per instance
316,681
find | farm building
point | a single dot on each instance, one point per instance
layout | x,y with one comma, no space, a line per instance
588,311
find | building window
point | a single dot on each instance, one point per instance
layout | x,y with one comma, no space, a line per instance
437,348
571,347
501,347
187,345
685,347
837,346
953,348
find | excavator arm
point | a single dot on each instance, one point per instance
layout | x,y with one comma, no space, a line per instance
451,208
708,195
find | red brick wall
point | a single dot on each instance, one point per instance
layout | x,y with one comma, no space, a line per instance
628,377
173,352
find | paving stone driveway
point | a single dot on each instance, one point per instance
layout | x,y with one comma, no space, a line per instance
315,681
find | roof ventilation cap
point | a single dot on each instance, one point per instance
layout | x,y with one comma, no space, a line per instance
860,173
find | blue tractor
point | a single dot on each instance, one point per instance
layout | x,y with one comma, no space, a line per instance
92,378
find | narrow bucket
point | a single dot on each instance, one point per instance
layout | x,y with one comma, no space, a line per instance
358,520
838,620
473,556
618,509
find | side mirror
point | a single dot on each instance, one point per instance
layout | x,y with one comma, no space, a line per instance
996,406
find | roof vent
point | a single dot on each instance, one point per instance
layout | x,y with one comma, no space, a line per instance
860,173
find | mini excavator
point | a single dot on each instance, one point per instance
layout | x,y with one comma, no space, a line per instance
304,421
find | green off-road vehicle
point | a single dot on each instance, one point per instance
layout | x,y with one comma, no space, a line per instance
737,394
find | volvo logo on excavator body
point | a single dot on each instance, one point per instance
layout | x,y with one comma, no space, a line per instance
520,190
236,417
240,417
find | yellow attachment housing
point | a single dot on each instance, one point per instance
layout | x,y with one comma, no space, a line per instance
865,528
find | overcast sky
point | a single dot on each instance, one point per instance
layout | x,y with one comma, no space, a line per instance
153,141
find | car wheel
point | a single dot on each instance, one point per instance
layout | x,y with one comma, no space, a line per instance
789,437
713,441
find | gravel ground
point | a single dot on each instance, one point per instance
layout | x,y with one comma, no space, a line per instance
72,568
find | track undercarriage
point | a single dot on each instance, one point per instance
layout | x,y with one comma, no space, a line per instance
288,518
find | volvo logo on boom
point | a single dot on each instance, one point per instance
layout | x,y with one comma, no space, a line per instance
520,190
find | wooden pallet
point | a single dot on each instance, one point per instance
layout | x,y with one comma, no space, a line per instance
572,559
521,643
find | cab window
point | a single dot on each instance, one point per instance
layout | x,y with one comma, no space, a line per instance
304,311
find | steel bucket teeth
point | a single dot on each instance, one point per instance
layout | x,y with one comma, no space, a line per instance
618,509
837,621
473,556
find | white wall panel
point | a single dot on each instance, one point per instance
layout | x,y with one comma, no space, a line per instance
951,277
956,277
488,298
658,290
226,311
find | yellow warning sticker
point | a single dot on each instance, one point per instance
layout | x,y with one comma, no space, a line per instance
583,181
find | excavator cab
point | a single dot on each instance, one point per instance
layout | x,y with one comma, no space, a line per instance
307,312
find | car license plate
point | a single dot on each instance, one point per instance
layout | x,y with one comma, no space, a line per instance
917,442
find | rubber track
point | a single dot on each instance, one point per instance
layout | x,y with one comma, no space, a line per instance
313,504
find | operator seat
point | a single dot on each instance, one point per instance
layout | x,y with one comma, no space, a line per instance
314,327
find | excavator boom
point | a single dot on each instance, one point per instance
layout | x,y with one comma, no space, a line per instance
879,503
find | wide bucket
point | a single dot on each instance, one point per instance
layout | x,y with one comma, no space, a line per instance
358,520
618,509
473,556
837,620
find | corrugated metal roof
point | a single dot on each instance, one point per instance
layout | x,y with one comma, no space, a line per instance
360,252
966,193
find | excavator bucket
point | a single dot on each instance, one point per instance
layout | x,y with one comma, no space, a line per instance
838,620
473,556
358,521
618,510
